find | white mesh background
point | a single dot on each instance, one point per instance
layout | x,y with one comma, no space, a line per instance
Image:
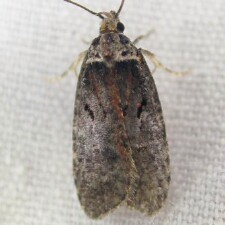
40,38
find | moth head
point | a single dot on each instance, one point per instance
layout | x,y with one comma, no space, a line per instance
111,23
110,20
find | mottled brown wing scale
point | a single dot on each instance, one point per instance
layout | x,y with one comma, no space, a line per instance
120,147
101,173
147,137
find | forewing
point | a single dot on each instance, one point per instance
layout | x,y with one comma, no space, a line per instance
101,165
147,136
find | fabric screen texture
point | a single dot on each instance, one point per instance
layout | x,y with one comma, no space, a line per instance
40,39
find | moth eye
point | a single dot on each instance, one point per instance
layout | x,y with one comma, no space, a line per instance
120,27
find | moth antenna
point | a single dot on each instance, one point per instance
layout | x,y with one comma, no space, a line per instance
81,6
120,8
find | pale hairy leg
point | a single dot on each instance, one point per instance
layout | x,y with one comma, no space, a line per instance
72,68
157,64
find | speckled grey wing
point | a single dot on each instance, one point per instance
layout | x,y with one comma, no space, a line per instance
120,146
147,135
101,173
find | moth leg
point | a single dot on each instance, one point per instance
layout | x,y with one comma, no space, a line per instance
144,36
158,64
72,68
153,220
86,42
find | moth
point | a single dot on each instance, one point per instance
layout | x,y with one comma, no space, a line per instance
119,139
